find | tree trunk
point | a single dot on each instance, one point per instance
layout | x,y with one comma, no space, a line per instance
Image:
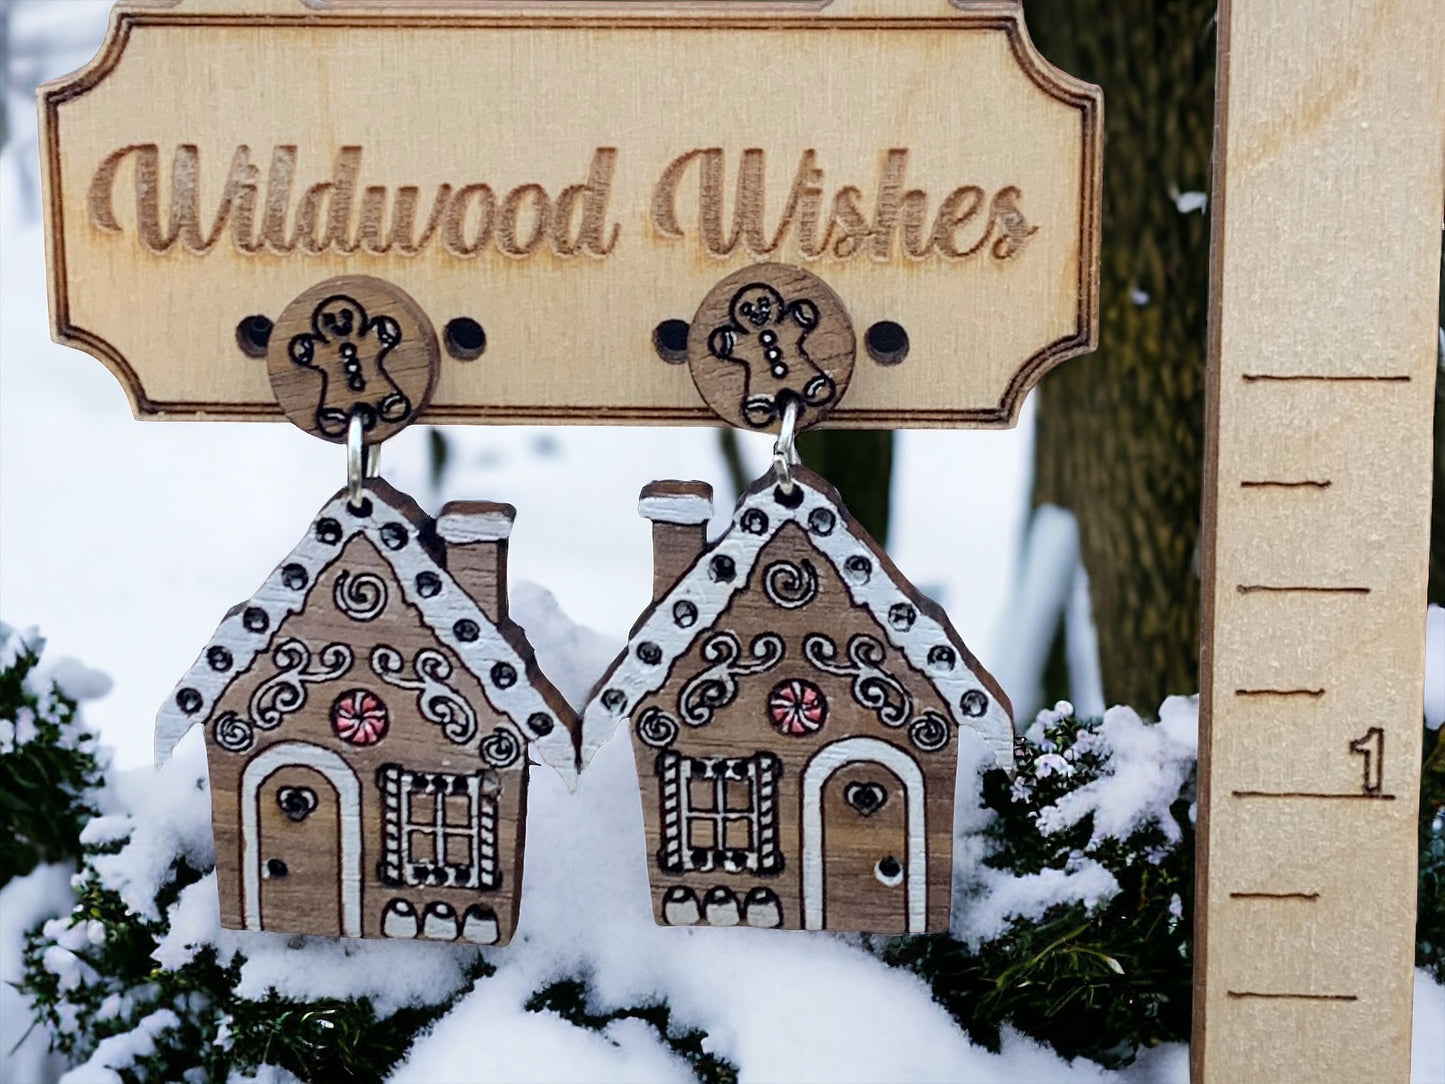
860,465
1120,432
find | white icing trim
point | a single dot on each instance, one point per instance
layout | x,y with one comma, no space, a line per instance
278,599
683,509
636,679
348,792
461,529
824,763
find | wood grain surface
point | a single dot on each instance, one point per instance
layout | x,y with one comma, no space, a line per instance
1326,207
368,718
596,172
796,709
352,344
768,335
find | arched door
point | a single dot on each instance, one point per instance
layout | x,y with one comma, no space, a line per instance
301,845
865,853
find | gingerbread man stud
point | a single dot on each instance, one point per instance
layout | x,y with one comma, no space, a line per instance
353,345
769,335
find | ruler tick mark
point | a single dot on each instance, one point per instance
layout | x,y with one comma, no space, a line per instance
1270,484
1309,897
1313,694
1312,794
1322,378
1298,589
1242,994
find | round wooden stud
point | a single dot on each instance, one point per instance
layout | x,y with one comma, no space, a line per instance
770,333
353,344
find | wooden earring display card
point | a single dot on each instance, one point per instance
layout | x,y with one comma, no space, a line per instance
568,177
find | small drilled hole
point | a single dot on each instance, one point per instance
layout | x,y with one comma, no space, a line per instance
669,339
887,342
465,339
253,335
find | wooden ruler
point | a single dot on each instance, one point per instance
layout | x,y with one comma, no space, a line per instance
1322,363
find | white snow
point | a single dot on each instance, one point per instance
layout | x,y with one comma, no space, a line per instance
1435,667
121,1051
1427,1061
1045,586
1150,762
25,903
1081,647
1189,202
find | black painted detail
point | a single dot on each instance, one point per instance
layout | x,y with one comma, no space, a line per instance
822,521
722,569
255,619
295,577
614,700
276,869
540,724
220,659
865,799
943,657
393,536
466,630
328,531
788,498
973,703
684,615
428,584
504,675
902,616
297,803
755,521
860,568
649,653
189,701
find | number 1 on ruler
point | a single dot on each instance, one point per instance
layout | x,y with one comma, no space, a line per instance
1372,748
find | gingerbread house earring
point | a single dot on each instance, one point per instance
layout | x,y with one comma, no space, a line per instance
793,702
369,711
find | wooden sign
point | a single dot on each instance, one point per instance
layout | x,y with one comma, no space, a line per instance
1321,391
559,186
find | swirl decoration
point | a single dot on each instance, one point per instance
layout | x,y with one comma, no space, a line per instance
360,597
929,732
234,734
873,687
502,749
717,686
438,702
790,586
285,692
656,728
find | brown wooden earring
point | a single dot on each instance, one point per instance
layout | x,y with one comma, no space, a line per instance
793,702
369,710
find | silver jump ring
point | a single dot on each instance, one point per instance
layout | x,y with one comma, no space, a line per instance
362,462
785,451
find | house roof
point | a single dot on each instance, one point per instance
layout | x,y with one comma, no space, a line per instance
405,538
913,624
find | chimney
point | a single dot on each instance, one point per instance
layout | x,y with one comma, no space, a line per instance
679,512
476,533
